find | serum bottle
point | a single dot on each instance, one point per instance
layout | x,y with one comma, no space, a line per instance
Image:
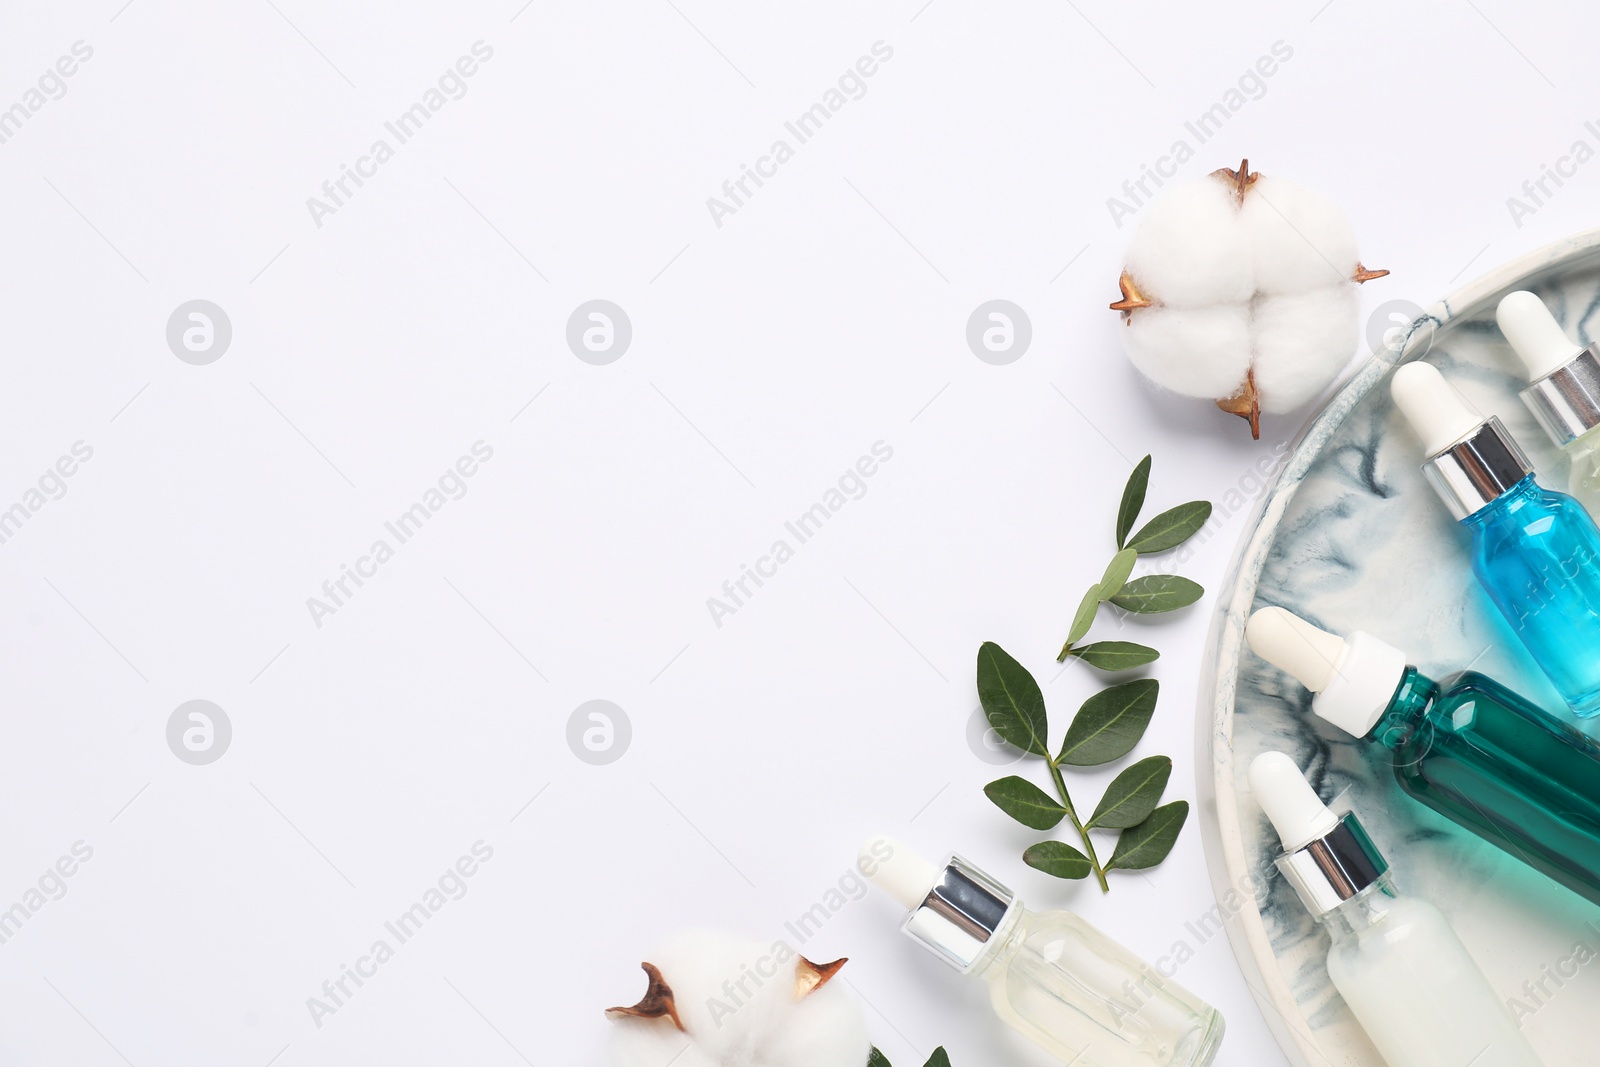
1079,995
1394,959
1536,552
1466,746
1565,392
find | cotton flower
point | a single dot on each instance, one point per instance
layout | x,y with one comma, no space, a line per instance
1241,288
719,1001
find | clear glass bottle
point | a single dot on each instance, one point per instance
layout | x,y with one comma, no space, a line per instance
1583,476
1564,389
1076,993
1536,552
1466,746
1395,960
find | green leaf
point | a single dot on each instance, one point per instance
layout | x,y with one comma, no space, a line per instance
1148,843
1132,795
940,1058
1057,858
1111,582
1110,723
877,1059
1115,655
1155,593
1025,802
1011,700
1117,572
1132,500
1084,618
1172,527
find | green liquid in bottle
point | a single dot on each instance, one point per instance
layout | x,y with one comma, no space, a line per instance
1486,758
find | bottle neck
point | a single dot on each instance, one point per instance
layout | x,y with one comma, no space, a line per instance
1362,912
963,916
1003,945
1518,494
1566,402
1584,442
1411,701
1477,471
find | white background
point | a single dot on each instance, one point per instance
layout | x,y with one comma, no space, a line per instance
768,354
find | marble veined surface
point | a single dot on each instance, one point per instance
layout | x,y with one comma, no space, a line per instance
1351,537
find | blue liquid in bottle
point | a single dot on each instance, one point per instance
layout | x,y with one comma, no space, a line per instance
1537,553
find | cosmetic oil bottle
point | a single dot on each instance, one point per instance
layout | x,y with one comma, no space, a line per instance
1395,960
1081,996
1465,746
1536,552
1565,394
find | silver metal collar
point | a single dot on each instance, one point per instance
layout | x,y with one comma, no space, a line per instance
1332,869
1476,471
961,915
1567,400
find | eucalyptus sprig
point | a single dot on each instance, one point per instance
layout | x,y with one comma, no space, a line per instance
938,1059
1111,722
1106,728
1149,594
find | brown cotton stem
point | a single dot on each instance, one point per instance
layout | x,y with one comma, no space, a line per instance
810,977
1246,404
1132,298
658,1000
1241,179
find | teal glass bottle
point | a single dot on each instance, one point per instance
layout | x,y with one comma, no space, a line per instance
1486,758
1537,554
1534,551
1466,746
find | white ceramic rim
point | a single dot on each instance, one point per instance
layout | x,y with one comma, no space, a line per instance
1225,858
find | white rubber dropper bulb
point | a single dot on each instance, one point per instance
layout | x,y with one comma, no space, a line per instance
1298,815
1439,414
1291,644
1535,335
904,875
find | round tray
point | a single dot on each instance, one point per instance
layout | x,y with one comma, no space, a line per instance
1351,537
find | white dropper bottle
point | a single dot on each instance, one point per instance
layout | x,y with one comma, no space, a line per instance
1399,966
1564,389
1071,989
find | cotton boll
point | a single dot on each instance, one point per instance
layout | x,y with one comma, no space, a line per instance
731,992
1302,342
1198,352
741,1003
1299,239
826,1029
1241,289
1189,247
652,1043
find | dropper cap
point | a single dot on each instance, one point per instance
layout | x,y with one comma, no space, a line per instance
1354,678
904,875
1297,813
1565,391
1439,414
956,910
1328,859
1535,335
1471,460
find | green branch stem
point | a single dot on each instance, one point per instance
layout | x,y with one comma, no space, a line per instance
1072,813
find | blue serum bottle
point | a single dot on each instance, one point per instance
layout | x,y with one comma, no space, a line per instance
1536,552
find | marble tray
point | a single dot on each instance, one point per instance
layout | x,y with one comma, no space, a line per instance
1351,537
